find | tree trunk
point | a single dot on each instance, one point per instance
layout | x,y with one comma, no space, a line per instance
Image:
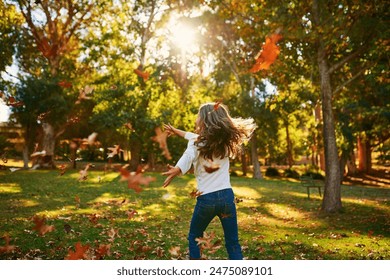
332,194
135,151
364,154
255,159
320,158
290,159
351,165
48,145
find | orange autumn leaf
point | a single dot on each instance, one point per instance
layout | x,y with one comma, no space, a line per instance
195,193
102,250
144,75
84,94
135,179
84,172
7,248
161,139
114,151
40,226
12,102
211,167
268,54
79,253
64,84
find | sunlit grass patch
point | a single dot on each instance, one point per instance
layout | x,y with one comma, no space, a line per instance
10,188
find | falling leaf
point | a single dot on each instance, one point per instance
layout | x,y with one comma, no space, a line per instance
84,94
79,253
36,154
207,242
143,74
13,169
238,200
161,139
267,56
128,126
12,102
65,84
42,116
135,179
91,139
62,168
211,167
84,172
195,193
216,105
7,248
40,226
114,151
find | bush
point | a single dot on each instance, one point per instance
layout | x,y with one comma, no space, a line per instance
272,172
290,173
314,175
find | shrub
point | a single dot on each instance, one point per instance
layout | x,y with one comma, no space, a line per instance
272,172
290,173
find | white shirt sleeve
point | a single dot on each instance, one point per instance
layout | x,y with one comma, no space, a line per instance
190,154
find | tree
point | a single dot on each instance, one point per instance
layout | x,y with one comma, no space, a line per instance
56,38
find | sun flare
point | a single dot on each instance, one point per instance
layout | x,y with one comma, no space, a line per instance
183,36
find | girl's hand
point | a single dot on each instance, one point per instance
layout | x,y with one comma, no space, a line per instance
171,173
169,129
173,131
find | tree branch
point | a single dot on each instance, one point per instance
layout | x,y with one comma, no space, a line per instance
347,58
340,87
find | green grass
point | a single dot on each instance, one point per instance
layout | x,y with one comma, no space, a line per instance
276,219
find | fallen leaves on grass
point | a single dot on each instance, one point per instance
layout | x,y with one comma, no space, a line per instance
40,225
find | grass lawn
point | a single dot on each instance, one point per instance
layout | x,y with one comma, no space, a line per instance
106,220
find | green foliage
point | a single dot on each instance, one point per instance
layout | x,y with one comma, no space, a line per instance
10,21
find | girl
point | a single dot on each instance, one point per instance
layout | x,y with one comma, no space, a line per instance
219,136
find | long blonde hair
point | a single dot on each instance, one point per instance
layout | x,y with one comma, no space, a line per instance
220,135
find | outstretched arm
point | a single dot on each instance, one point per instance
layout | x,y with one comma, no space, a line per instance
174,131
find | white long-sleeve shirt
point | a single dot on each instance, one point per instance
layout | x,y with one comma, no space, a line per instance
207,182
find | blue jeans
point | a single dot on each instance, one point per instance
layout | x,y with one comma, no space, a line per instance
221,204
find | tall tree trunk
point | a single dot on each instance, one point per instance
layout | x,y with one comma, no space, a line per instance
332,194
364,153
135,151
351,164
290,159
255,159
320,157
48,145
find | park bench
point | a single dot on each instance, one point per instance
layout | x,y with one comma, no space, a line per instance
308,182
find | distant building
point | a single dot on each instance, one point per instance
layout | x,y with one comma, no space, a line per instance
14,134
